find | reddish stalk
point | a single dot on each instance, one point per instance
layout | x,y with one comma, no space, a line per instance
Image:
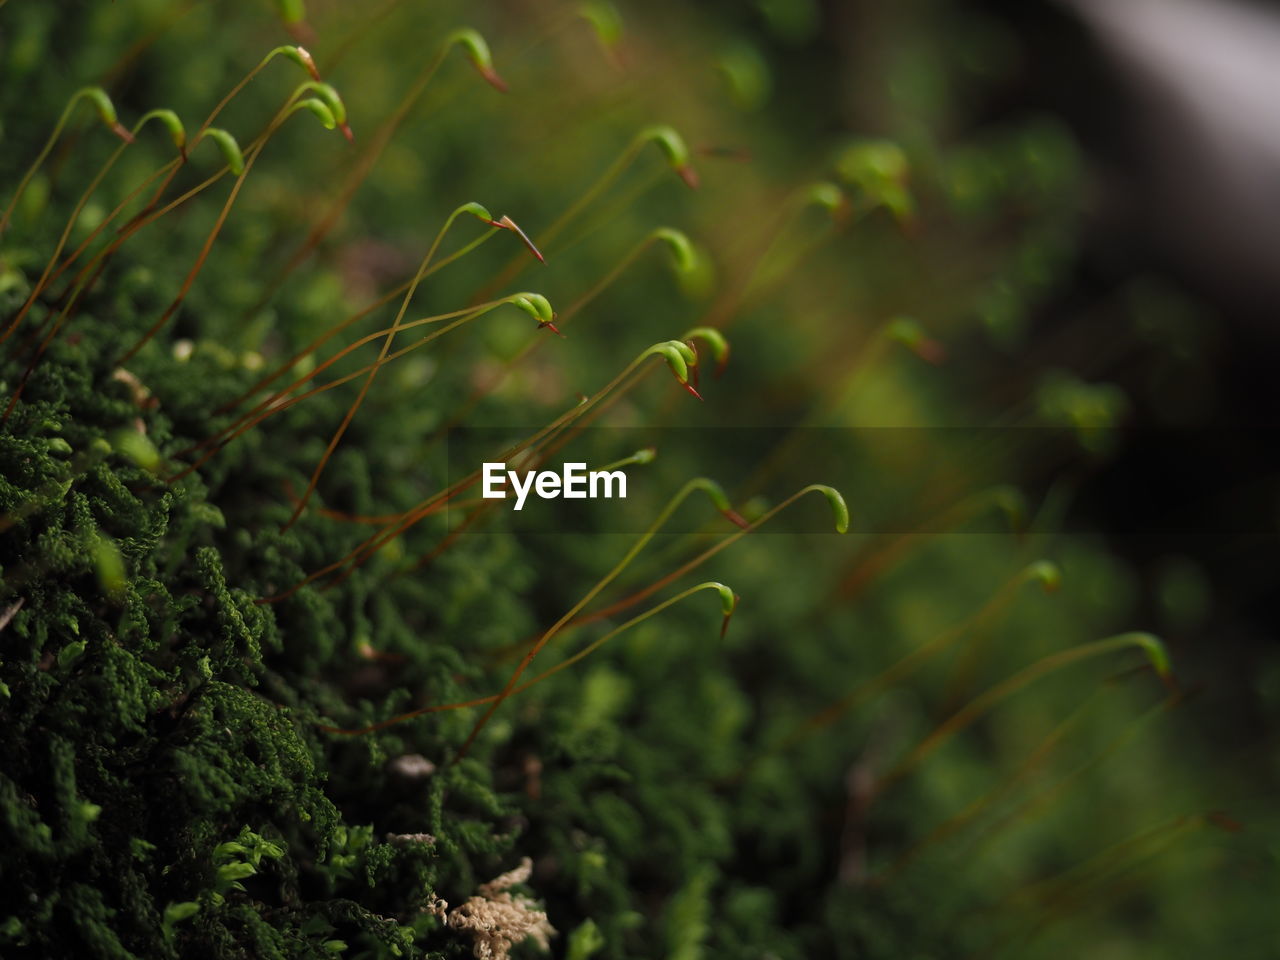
275,404
476,210
377,145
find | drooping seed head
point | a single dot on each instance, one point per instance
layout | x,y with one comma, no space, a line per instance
1010,501
719,499
682,253
605,21
321,110
829,197
536,305
227,144
506,223
479,211
678,355
719,345
873,161
825,194
673,148
839,509
728,603
715,493
477,51
105,109
1156,653
1047,573
639,458
177,132
298,55
302,57
333,100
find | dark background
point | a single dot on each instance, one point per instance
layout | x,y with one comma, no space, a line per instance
1202,495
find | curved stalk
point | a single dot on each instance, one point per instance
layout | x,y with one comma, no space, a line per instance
273,405
985,702
475,210
328,109
684,259
409,518
728,603
718,499
477,52
106,113
665,138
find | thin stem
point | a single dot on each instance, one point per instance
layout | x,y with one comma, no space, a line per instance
211,238
1098,880
105,112
666,138
66,232
492,383
276,404
362,168
333,331
179,138
866,568
971,811
1037,804
1002,691
171,169
728,600
374,542
474,210
698,484
757,280
691,565
997,604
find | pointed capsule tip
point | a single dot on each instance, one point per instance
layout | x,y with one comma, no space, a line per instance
689,386
122,133
506,223
688,175
491,77
308,62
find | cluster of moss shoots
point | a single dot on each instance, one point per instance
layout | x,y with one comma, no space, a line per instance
190,644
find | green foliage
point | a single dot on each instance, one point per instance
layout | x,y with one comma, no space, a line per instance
178,680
